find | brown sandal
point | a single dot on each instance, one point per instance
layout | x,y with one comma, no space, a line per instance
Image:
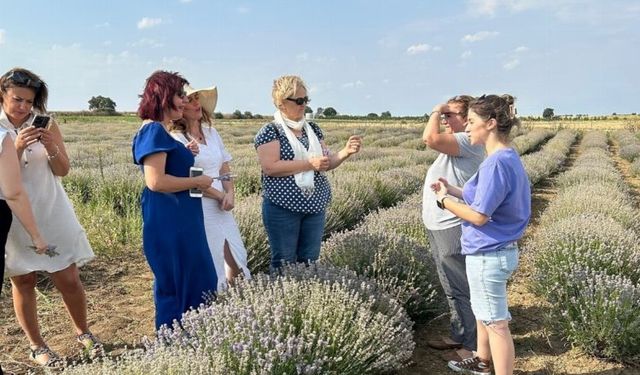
45,357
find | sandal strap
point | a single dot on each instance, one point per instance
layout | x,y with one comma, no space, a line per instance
53,357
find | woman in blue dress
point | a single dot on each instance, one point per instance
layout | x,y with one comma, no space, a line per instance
173,235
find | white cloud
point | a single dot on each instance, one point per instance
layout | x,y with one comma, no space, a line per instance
2,32
102,25
483,7
302,57
107,43
511,64
466,54
185,1
522,49
480,35
350,85
243,9
418,48
386,80
146,42
147,22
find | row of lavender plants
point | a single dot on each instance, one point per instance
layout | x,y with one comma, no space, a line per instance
309,320
586,256
629,145
391,246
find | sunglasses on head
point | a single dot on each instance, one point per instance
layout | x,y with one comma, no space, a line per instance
300,101
23,79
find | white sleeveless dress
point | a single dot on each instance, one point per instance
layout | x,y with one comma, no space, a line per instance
220,225
54,216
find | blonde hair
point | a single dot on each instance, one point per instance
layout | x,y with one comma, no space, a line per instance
285,87
180,125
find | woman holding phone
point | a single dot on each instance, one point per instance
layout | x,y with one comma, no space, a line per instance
227,249
173,235
43,160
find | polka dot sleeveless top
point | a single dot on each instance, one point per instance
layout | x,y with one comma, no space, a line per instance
283,191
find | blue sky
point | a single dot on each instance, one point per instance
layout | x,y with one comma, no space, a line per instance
356,56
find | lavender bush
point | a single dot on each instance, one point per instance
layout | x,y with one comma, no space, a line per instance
400,265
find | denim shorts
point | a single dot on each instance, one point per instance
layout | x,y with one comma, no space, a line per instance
488,273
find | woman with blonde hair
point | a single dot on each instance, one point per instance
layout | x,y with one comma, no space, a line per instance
194,130
293,154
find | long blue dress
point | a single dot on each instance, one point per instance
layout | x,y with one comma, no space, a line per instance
173,235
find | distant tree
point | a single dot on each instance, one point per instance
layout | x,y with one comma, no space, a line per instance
247,114
319,112
218,115
547,114
372,115
236,114
308,109
258,116
330,112
102,104
385,114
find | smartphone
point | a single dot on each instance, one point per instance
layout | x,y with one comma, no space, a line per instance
193,172
40,121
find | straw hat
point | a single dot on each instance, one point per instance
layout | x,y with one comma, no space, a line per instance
208,97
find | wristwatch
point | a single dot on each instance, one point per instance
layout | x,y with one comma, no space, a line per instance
440,202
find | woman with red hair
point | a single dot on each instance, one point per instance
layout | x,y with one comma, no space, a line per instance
173,235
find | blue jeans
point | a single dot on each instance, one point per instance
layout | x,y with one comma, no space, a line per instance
293,236
488,273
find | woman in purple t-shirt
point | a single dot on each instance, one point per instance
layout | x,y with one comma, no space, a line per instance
495,211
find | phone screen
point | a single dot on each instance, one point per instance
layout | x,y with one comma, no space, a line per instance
40,121
193,172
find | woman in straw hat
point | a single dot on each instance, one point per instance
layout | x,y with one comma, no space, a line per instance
293,155
223,236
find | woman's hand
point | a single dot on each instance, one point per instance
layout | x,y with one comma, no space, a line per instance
440,187
48,141
227,202
40,244
203,182
320,164
27,137
193,147
354,144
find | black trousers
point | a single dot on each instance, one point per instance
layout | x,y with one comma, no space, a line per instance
5,224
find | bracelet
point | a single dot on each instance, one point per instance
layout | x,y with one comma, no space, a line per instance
55,155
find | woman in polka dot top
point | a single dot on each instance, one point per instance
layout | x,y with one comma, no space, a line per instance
293,155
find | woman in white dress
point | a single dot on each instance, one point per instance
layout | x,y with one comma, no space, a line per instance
43,160
223,235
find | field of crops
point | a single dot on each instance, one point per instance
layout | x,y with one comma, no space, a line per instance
374,297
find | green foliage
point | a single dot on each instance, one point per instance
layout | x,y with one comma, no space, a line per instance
385,114
329,112
102,104
547,114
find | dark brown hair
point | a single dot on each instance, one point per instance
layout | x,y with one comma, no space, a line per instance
501,108
20,77
158,94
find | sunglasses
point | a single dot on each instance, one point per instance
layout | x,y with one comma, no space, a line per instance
300,101
23,79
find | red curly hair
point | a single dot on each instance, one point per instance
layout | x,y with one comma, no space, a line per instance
158,94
